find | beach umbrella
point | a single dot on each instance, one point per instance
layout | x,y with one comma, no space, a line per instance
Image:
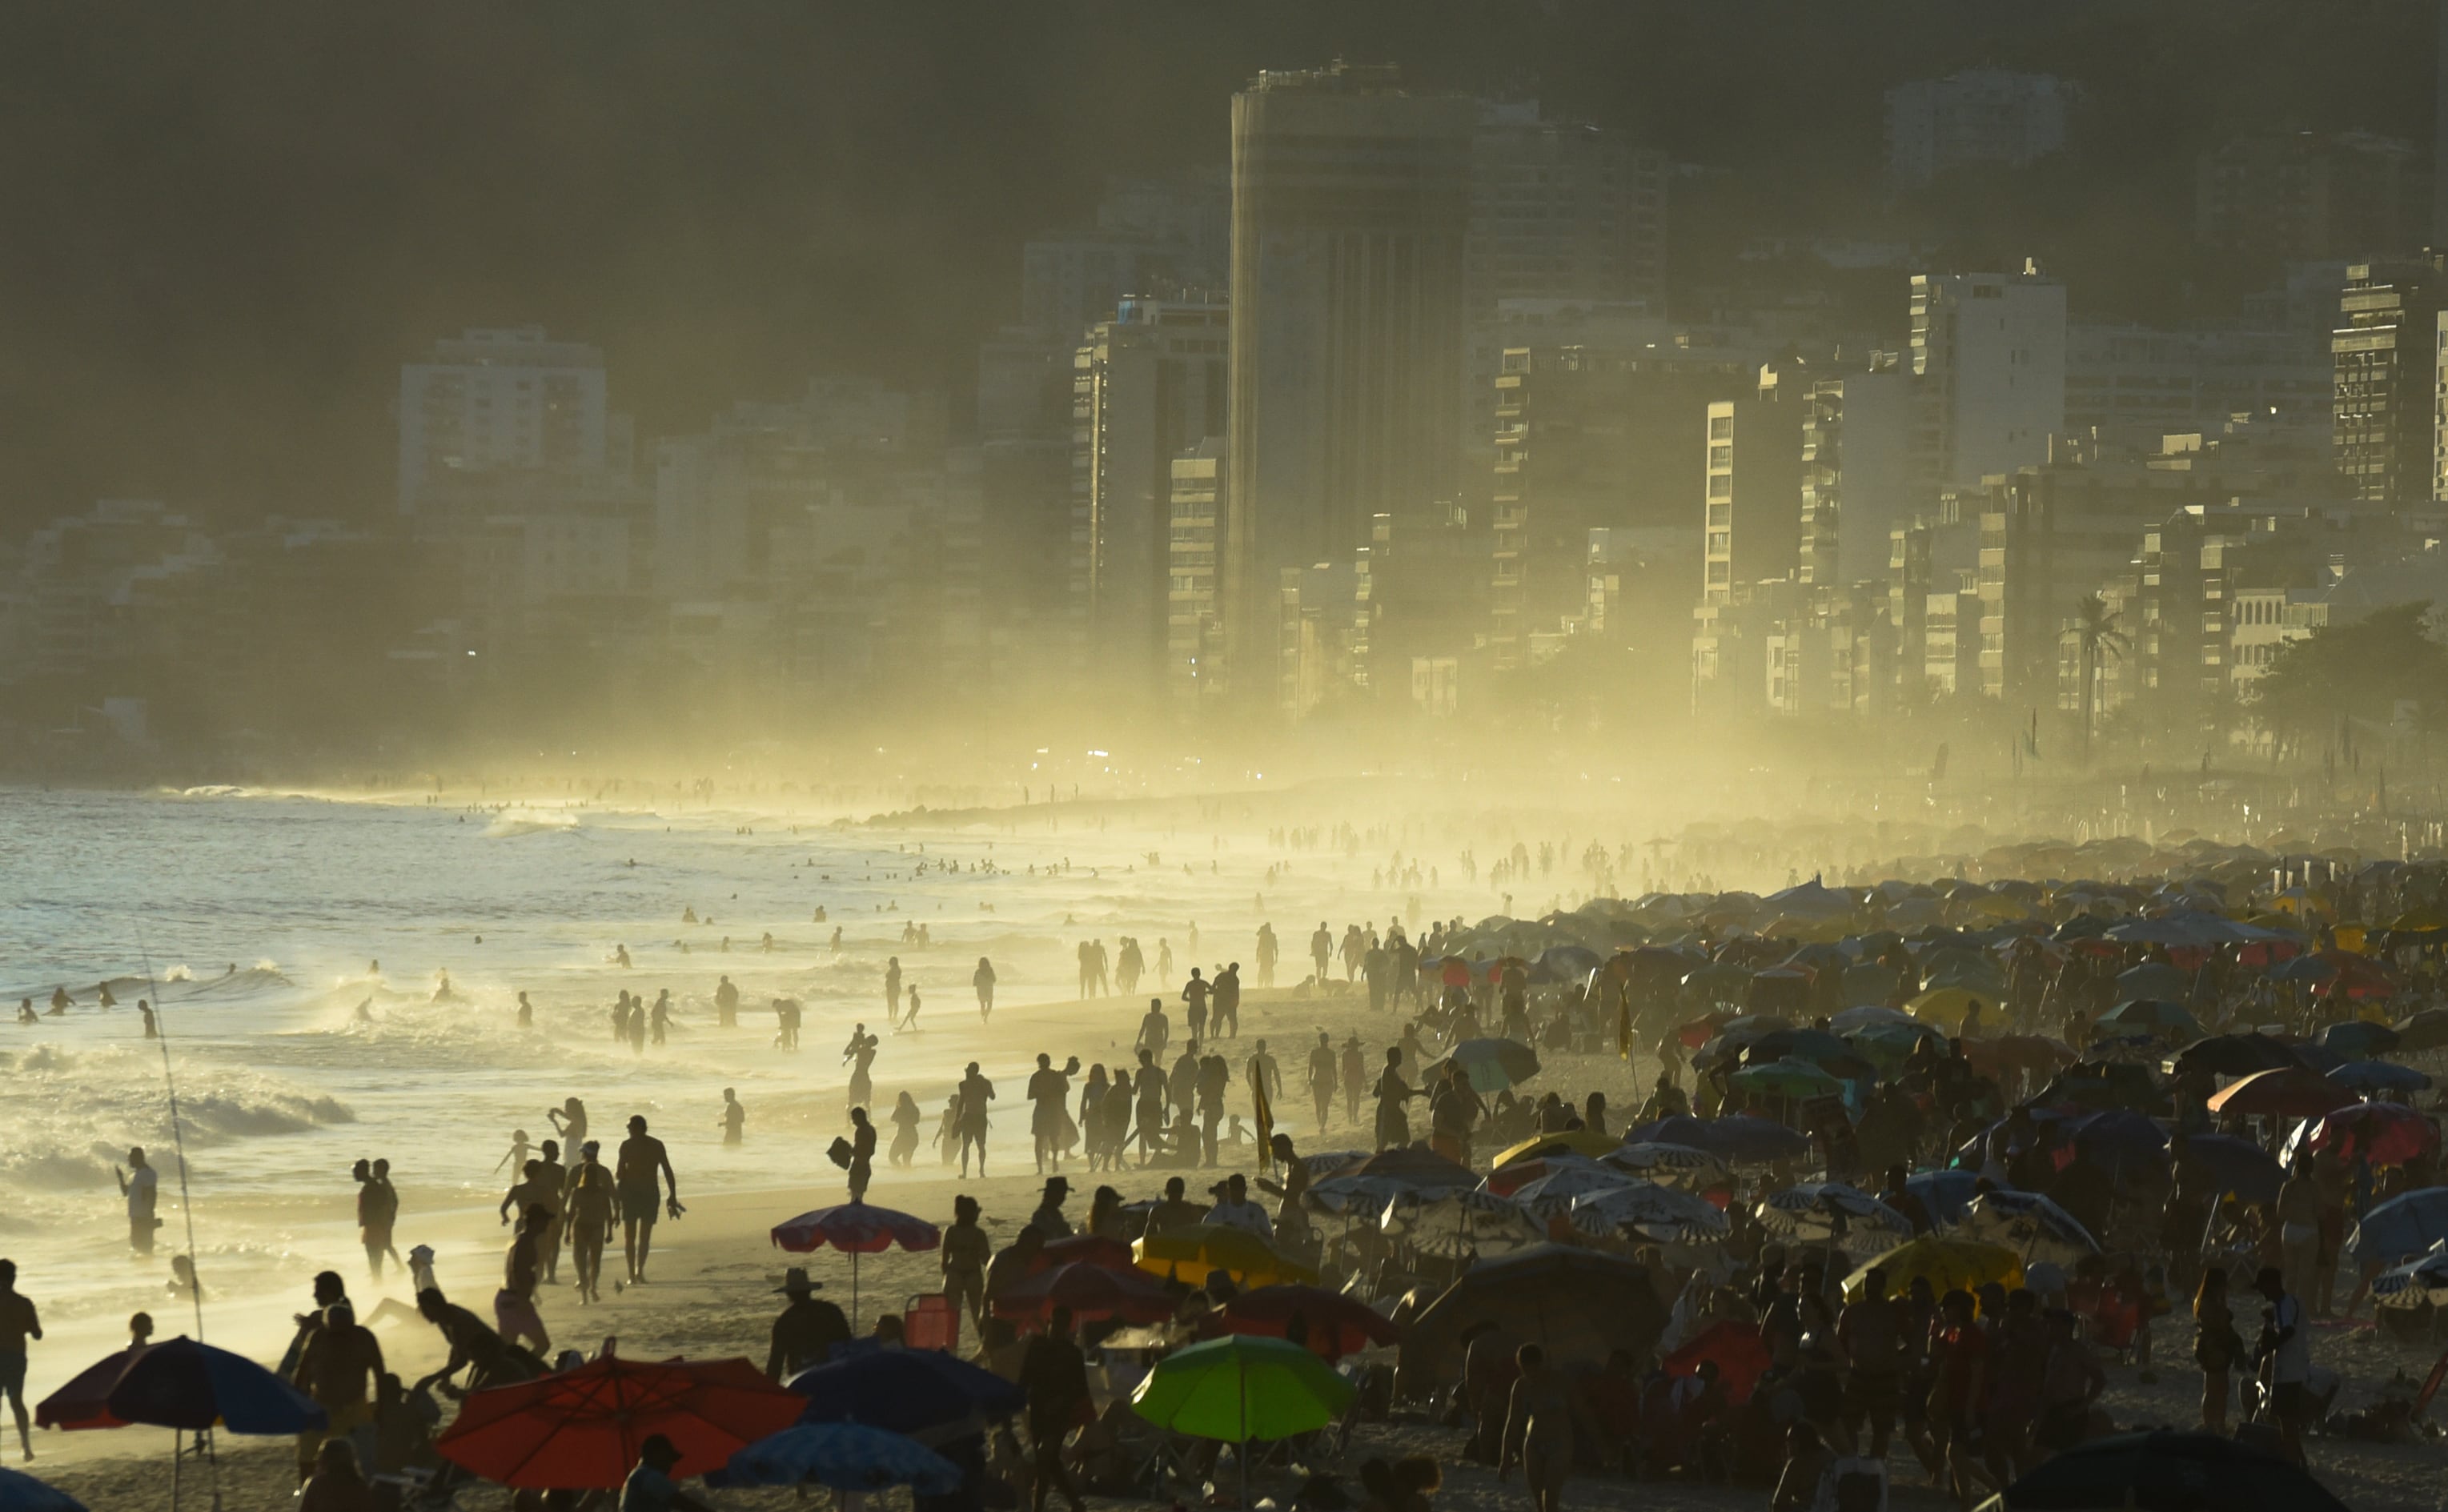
2151,1015
1336,1324
1716,983
2166,1471
187,1384
2236,1055
20,1492
1570,1141
2409,1223
1736,1349
1795,1080
1083,1249
2360,1038
2422,1279
2383,1132
1825,1210
1945,1194
2380,1076
2305,970
1948,1261
2238,1166
1853,1021
1662,1161
1739,1034
857,1228
2120,1139
2029,1224
1493,1066
2295,1092
1568,963
924,1393
1817,1046
1510,1178
579,1429
1557,1191
1574,1303
85,1402
2152,979
1461,1225
1188,1252
1665,1214
1415,1167
1243,1388
1947,1006
845,1456
1738,1139
2426,1030
1091,1291
1867,983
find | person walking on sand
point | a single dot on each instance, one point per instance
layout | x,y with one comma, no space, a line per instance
1155,1030
983,980
862,1154
1321,1077
1393,1120
18,1324
965,1251
591,1200
1225,1016
909,1024
975,1093
139,1184
906,1119
860,1055
514,1310
377,1212
734,1118
1050,1119
1194,992
1321,951
892,988
642,1166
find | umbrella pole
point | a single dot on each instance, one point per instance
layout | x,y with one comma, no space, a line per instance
853,1293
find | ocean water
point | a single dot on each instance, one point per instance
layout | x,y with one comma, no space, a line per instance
262,923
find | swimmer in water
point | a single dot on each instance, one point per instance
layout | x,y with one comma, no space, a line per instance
620,956
734,1118
526,1012
58,1001
26,1013
366,1011
152,1031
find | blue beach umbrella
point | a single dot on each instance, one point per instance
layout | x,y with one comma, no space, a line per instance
846,1456
20,1492
186,1385
2408,1224
905,1391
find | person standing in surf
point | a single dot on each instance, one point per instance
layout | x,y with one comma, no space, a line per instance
643,1164
140,1185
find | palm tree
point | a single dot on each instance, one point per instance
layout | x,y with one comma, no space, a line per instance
2095,632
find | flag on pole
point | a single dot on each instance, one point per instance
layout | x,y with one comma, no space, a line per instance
1264,1115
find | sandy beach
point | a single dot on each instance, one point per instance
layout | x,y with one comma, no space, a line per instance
714,1273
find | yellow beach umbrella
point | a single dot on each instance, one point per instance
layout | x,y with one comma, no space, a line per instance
1190,1252
1949,1264
1946,1006
1580,1141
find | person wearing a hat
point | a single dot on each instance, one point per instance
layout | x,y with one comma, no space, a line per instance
649,1488
806,1333
1048,1218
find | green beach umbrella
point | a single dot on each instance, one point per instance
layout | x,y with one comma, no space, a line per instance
1242,1388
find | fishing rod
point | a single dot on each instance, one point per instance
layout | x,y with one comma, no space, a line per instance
187,1212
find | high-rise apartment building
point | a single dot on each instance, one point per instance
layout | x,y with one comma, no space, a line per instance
496,401
1981,116
2300,197
1351,208
1146,385
1194,636
1858,473
1560,210
1754,509
1989,355
2387,361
